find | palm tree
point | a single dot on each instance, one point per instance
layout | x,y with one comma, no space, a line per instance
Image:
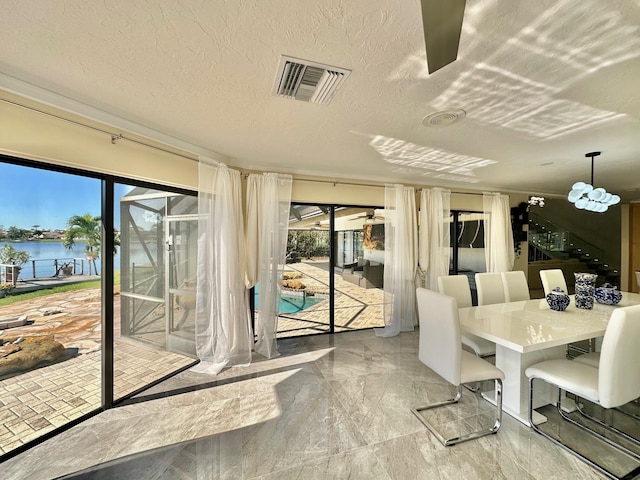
88,229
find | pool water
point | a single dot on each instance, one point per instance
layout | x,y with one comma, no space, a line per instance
297,303
294,303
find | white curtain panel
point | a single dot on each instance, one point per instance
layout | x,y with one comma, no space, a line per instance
498,236
223,323
400,260
268,205
434,238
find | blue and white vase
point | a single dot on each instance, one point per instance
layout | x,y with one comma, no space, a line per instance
585,289
558,300
607,294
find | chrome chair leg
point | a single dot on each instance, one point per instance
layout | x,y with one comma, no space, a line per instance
470,436
605,425
566,447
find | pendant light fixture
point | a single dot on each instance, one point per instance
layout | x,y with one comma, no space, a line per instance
586,197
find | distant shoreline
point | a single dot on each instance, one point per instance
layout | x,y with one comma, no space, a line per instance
44,240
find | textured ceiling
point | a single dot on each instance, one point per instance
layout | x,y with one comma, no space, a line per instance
542,83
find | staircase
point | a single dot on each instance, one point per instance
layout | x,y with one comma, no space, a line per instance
548,241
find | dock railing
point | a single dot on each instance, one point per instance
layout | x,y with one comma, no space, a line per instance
44,268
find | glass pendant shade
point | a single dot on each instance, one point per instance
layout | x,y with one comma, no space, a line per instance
586,197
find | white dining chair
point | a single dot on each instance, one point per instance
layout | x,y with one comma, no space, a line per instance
490,288
457,286
613,383
553,278
593,359
440,349
516,288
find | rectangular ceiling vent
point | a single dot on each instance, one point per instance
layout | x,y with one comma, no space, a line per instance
308,81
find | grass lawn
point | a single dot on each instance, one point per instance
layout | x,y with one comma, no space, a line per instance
8,300
13,298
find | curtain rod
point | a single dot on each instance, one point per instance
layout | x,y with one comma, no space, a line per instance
118,136
114,136
337,182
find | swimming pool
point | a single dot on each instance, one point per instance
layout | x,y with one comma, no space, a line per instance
294,302
298,303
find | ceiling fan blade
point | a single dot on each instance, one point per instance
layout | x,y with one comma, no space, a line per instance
295,213
442,23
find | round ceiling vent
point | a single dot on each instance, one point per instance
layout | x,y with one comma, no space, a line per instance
443,118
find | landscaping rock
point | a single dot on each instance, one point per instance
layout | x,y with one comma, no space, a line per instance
35,352
7,350
293,284
291,275
12,321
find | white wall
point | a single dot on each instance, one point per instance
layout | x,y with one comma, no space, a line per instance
28,134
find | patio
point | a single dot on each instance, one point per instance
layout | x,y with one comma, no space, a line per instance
355,307
37,401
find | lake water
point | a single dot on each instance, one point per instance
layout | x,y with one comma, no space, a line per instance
44,254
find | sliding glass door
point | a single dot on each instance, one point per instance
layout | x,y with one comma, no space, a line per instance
68,347
333,279
50,310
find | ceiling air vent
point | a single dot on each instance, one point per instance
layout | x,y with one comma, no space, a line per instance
443,118
308,81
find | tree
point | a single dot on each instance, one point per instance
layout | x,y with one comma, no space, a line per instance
15,233
10,256
88,229
307,244
36,230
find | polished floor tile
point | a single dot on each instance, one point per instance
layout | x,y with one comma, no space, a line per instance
330,407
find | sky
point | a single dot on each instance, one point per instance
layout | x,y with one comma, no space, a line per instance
32,196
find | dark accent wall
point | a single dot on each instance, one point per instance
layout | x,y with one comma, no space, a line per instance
599,229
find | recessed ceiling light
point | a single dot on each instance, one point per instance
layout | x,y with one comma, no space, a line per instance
443,118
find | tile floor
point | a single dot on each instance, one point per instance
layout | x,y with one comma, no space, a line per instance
330,407
29,407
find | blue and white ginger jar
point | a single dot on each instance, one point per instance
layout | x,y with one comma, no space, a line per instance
608,294
585,289
558,300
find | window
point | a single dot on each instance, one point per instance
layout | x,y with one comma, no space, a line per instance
467,246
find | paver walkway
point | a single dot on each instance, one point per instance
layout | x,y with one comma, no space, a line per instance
356,308
40,400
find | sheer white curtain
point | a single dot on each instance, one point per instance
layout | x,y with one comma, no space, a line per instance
434,244
498,236
400,260
268,205
223,323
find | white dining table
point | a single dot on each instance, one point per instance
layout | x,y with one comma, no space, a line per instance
529,332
